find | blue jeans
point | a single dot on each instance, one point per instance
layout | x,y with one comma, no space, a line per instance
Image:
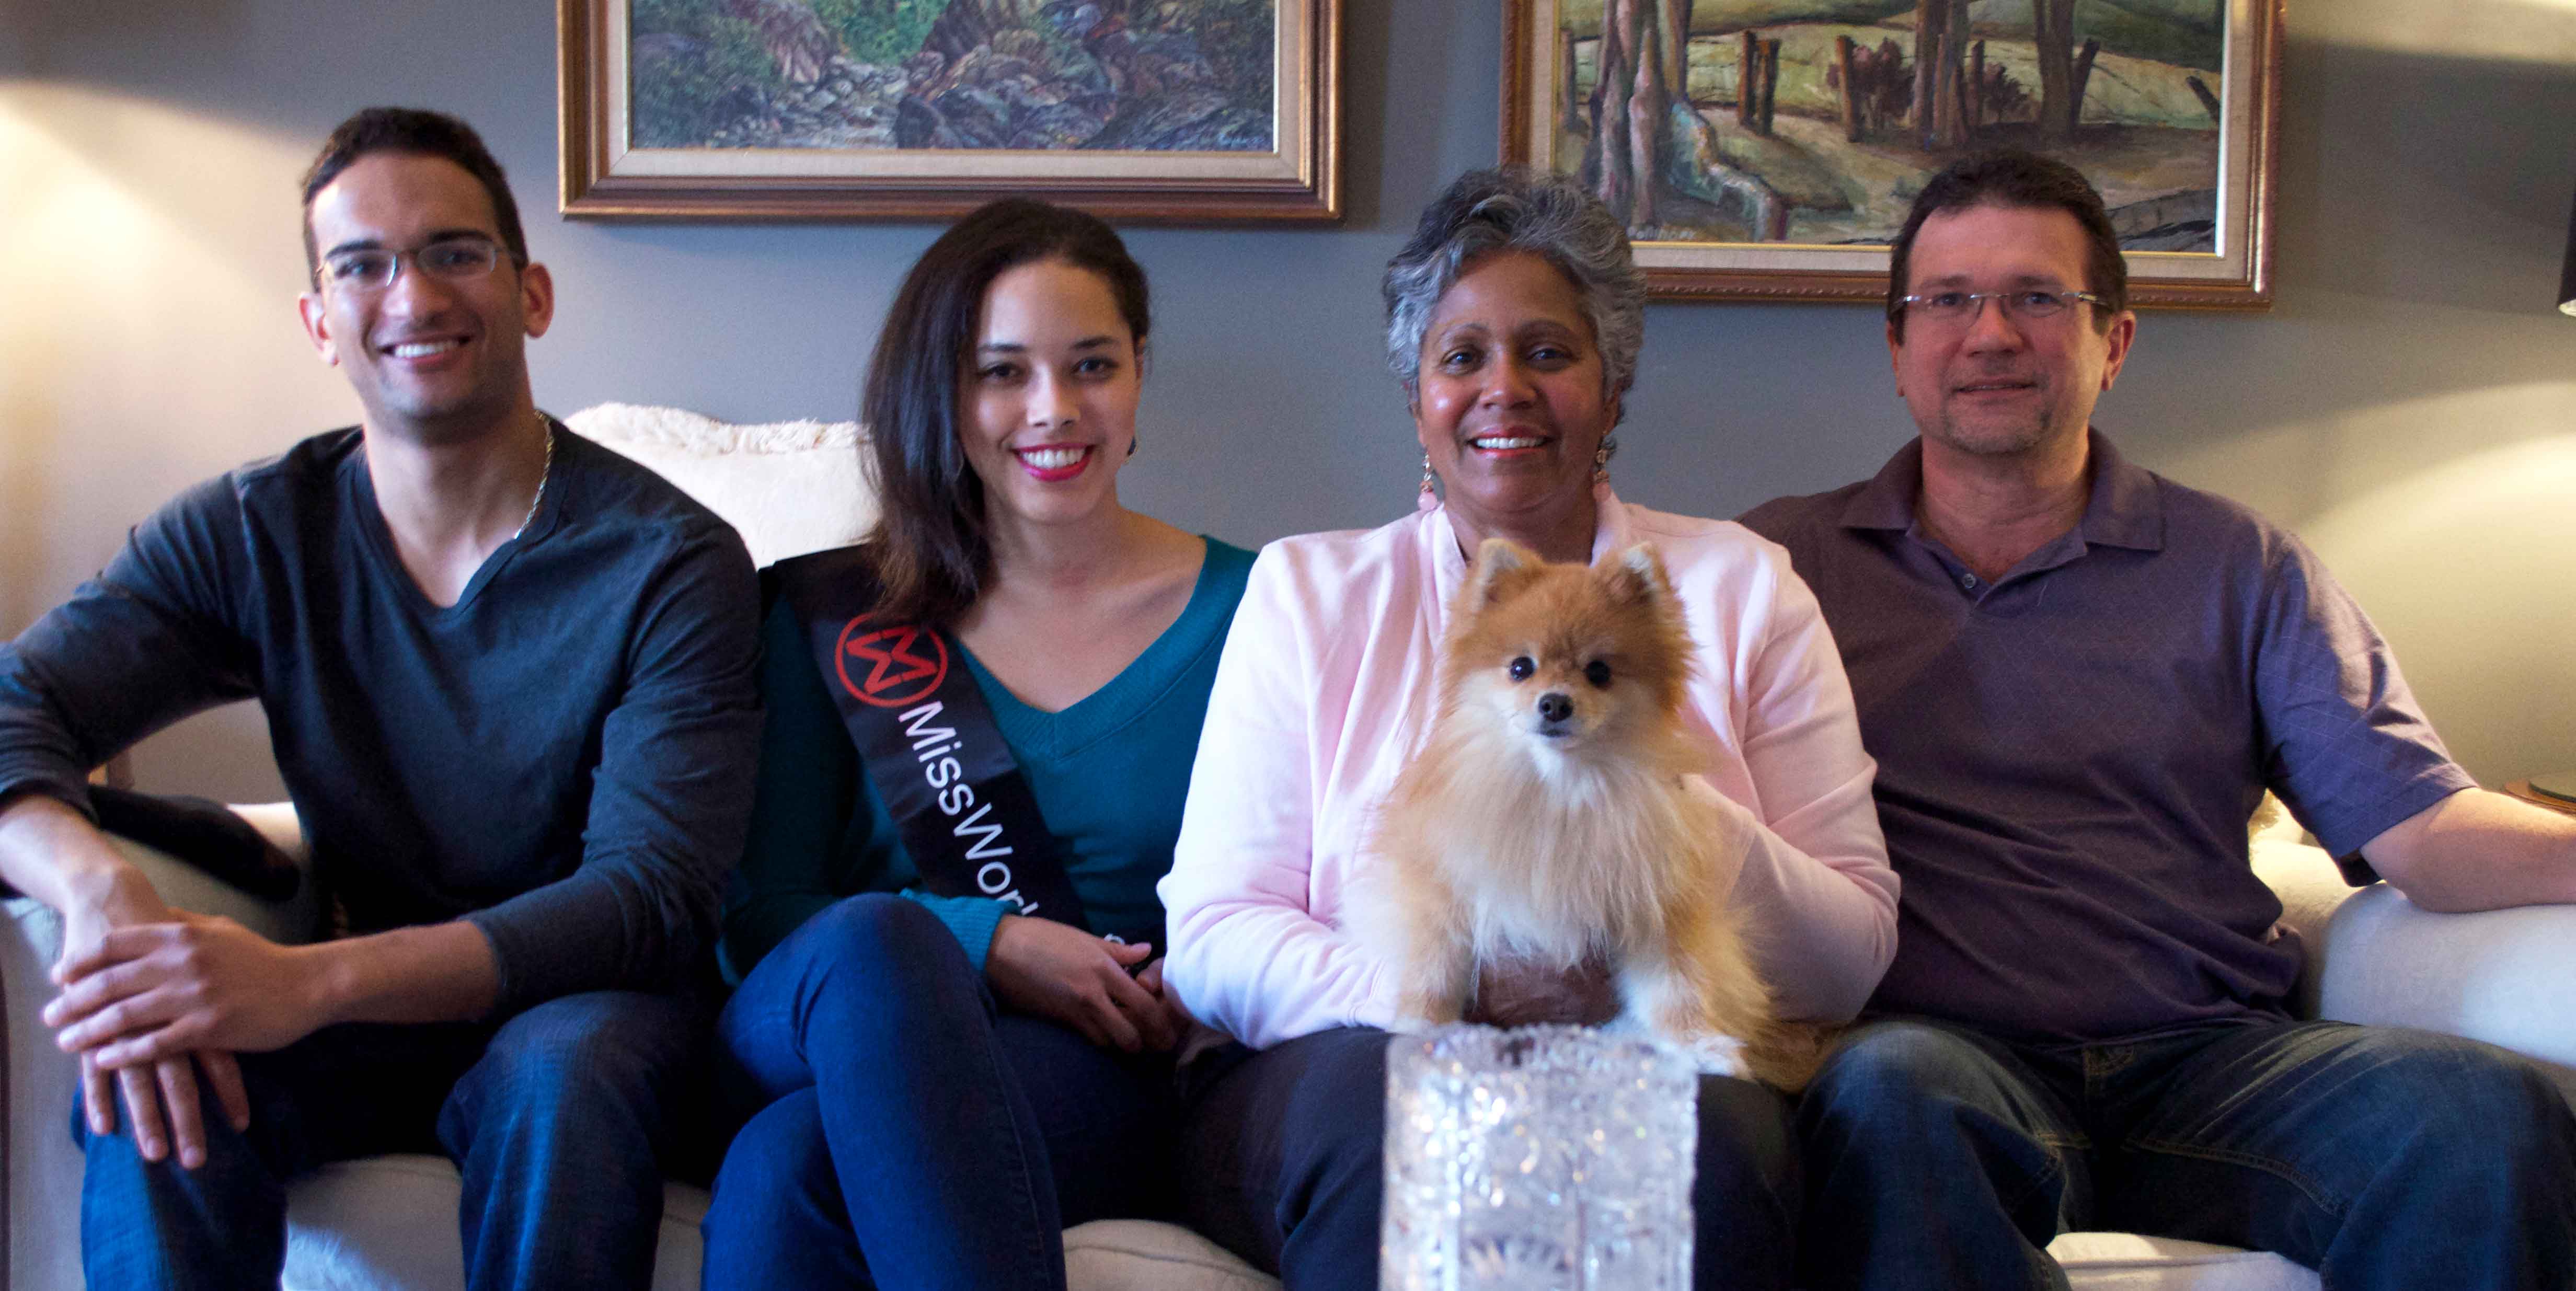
904,1130
558,1119
1283,1157
2382,1158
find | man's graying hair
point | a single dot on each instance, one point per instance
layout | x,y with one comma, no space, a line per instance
2015,180
1514,209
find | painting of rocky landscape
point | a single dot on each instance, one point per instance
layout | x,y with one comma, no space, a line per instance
1813,123
1038,75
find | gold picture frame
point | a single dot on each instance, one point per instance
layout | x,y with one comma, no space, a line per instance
724,85
1756,199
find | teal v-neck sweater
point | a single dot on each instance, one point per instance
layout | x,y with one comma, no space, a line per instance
1110,774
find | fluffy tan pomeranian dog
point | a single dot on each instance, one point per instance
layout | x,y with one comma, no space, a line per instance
1546,819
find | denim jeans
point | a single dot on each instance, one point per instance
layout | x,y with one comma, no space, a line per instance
2381,1157
559,1119
1283,1154
907,1130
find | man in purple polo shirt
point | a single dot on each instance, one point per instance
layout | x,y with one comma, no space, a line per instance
2078,679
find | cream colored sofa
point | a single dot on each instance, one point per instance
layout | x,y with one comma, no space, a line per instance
390,1222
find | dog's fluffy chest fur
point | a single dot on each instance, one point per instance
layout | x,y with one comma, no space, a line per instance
1554,858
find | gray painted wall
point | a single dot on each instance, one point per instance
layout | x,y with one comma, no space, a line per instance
2409,406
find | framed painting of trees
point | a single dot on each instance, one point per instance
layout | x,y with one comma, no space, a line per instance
1768,149
1184,111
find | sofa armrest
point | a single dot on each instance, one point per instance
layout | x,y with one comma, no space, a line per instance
278,823
292,921
2311,888
2507,977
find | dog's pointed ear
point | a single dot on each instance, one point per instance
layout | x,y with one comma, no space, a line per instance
1502,567
1636,574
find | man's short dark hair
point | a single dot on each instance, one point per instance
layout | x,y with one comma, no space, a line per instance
2014,178
418,133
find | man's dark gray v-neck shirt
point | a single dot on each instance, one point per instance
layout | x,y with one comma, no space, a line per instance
562,757
2067,756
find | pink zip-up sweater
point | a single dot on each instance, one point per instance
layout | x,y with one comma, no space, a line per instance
1327,688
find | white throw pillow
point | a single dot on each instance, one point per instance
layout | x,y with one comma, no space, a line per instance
790,487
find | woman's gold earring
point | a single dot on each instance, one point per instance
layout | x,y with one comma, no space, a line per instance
1428,498
1601,459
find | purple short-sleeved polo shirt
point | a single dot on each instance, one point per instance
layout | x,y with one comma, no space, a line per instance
2068,755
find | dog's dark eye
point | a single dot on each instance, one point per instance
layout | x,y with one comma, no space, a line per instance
1521,668
1598,673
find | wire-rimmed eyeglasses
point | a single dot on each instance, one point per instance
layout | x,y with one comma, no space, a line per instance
2022,305
370,269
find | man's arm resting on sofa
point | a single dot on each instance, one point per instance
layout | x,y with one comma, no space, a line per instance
52,853
2479,850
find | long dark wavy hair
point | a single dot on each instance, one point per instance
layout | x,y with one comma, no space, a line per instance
932,549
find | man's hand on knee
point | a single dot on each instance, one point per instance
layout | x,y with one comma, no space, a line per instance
54,854
171,1084
158,991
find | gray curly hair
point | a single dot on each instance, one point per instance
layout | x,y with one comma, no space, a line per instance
1515,209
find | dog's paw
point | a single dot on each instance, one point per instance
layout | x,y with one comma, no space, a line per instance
1714,1055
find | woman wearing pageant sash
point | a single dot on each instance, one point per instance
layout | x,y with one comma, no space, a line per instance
951,1037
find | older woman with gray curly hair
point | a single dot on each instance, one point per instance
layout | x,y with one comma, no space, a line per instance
1514,317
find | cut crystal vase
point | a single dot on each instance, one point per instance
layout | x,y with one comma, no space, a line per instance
1537,1159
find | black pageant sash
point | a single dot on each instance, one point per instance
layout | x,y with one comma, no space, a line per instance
966,813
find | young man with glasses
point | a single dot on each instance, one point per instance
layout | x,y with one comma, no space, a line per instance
2078,678
509,677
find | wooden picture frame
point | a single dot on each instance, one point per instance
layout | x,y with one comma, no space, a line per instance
711,114
1794,198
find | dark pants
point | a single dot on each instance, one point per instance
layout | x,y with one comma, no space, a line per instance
1281,1163
908,1132
559,1119
2382,1158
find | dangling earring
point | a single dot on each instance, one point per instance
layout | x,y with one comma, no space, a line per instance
1601,459
1427,499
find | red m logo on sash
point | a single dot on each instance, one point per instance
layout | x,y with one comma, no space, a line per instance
905,663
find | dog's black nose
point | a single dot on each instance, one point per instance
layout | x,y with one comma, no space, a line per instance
1555,707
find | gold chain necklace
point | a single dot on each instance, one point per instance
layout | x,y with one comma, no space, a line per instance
542,477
